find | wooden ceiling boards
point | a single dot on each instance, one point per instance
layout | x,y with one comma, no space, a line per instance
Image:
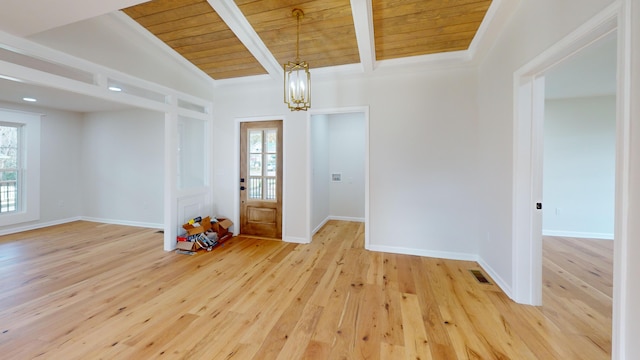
401,28
194,30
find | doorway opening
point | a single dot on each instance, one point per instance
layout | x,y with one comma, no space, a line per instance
261,179
579,157
529,95
338,167
529,109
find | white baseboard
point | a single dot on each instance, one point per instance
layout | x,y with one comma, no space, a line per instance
123,222
450,256
38,226
296,240
345,218
323,223
339,218
426,253
79,218
577,234
497,278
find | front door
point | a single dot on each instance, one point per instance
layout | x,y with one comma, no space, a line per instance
261,179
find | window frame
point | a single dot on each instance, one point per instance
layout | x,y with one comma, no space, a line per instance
28,168
17,169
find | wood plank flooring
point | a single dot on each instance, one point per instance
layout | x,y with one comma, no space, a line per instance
94,291
577,292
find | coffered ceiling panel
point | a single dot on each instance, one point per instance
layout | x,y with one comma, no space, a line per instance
418,27
265,31
327,33
194,30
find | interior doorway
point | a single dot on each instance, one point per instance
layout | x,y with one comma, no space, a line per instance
578,191
579,147
529,97
338,167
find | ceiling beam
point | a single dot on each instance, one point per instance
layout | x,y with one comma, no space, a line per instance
233,17
363,22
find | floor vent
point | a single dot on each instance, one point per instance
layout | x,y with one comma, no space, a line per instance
479,276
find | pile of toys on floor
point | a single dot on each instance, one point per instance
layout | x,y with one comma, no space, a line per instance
203,233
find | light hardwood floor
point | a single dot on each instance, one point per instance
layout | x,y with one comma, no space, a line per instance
92,291
577,291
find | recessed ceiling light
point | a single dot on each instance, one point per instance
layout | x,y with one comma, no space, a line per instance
114,88
29,99
10,78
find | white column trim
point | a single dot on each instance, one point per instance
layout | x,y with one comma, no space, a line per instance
363,23
233,17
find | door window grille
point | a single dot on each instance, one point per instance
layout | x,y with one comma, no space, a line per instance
263,164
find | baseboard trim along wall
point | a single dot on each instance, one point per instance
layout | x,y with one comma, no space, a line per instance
296,240
425,253
496,278
346,218
124,222
577,234
449,256
15,230
340,218
323,223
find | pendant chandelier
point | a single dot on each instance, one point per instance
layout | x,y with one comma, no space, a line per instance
297,79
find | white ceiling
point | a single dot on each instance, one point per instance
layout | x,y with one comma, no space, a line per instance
27,17
589,72
13,92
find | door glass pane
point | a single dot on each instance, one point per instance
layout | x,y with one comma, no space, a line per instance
255,188
271,189
255,141
271,164
272,140
255,165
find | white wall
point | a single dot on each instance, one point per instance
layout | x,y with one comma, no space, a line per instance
109,41
122,165
534,27
630,289
422,155
320,194
579,167
346,157
60,198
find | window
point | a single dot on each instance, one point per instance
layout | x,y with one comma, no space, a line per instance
192,153
10,173
19,167
262,164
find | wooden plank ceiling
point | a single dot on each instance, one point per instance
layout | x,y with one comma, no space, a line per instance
408,28
402,28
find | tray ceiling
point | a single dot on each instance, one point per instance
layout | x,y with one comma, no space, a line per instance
401,28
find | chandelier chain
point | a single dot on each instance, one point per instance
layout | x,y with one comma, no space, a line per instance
298,38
